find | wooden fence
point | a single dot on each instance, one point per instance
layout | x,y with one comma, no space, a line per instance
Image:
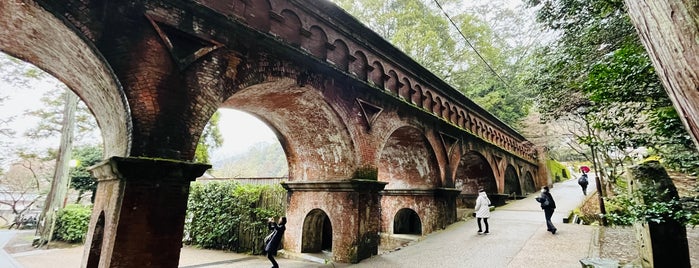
250,237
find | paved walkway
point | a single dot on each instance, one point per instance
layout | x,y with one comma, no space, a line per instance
518,238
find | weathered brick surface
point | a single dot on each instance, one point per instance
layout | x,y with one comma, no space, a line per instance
143,202
346,106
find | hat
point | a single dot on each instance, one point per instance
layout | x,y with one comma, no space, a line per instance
546,188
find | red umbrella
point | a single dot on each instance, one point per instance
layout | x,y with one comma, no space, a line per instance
585,169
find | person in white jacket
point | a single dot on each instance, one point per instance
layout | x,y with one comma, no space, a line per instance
482,210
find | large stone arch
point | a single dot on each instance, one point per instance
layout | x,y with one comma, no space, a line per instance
295,113
474,171
407,160
512,185
44,40
528,185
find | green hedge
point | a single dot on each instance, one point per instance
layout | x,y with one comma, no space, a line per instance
231,216
72,222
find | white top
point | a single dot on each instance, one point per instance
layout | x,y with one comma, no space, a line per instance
482,208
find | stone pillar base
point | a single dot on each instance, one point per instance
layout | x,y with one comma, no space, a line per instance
139,210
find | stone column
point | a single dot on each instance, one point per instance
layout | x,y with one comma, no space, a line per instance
664,243
353,208
139,210
447,202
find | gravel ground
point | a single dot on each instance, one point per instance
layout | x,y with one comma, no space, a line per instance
619,243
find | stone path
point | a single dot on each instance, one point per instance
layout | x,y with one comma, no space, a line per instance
518,239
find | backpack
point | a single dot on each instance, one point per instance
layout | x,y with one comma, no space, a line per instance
582,179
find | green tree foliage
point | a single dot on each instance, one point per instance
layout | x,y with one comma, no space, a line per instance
220,213
72,223
421,30
51,118
598,72
210,139
80,178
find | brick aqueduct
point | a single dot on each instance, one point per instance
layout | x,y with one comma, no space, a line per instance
375,143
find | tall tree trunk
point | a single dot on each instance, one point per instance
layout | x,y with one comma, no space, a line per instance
55,199
669,29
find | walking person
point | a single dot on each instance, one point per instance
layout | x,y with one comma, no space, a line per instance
482,210
583,182
548,205
272,245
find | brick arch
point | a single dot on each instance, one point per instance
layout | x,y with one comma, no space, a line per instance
512,185
475,171
406,90
416,95
316,43
437,106
528,185
294,112
75,63
427,101
407,160
377,74
288,27
339,55
317,233
393,85
358,67
407,221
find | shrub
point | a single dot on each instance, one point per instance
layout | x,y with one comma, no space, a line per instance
72,222
231,216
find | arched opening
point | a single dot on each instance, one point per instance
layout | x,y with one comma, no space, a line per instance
46,130
294,112
75,64
473,172
93,257
512,186
317,234
529,186
249,152
408,161
407,221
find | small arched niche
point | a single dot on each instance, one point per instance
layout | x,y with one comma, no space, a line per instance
407,221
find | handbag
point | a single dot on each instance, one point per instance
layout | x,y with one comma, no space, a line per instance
269,237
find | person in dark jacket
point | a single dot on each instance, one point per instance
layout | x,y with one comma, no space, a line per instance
548,205
583,183
277,234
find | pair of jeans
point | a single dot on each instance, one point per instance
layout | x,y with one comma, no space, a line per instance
548,212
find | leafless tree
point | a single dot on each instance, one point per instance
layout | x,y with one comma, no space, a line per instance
23,186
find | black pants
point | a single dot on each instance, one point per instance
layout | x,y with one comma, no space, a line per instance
270,256
485,220
548,213
584,188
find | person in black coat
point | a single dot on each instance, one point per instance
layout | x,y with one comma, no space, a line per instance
277,234
583,183
548,205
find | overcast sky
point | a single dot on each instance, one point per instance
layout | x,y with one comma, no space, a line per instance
240,130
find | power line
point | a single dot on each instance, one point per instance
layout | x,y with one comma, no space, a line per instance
469,43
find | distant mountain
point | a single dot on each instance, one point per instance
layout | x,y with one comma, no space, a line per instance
263,159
